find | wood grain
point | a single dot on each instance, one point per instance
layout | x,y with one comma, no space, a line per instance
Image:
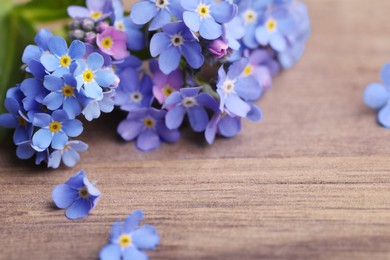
309,182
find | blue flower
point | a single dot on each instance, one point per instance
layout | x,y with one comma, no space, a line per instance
189,101
69,155
175,40
135,38
92,77
61,59
224,124
159,12
15,118
78,196
134,92
97,10
63,94
235,90
93,108
148,127
128,241
55,129
25,150
274,28
377,96
34,52
207,16
34,92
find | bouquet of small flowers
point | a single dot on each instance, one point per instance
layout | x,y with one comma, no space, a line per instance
166,63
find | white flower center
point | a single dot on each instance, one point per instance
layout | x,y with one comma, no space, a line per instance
136,97
177,40
120,26
162,3
250,16
228,86
188,102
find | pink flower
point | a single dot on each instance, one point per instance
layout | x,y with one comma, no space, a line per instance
165,85
113,43
219,48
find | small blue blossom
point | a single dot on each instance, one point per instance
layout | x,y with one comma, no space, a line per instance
207,17
235,90
34,52
174,40
61,60
148,127
34,92
223,124
159,12
94,107
189,101
128,241
55,129
96,10
26,150
134,92
69,155
377,96
92,77
63,94
78,196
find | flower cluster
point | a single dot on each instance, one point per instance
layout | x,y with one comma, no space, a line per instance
377,96
62,84
185,43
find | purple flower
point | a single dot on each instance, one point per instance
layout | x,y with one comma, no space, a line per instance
235,90
377,96
92,77
127,241
148,127
189,101
134,92
63,94
165,85
78,196
61,59
160,12
55,129
207,17
69,155
175,40
113,43
218,48
97,10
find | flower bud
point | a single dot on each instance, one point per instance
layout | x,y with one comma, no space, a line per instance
219,48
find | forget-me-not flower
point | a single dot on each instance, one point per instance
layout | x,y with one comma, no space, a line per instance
96,10
171,43
69,155
78,196
128,241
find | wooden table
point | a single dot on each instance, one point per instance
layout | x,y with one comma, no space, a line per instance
311,181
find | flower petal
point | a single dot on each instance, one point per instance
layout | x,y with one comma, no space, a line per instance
73,127
60,139
210,30
129,129
198,118
110,252
133,220
143,12
42,138
148,140
159,43
174,117
79,209
77,49
63,195
169,60
192,20
376,96
58,46
146,237
132,253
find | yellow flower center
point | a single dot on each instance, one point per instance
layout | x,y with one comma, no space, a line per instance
88,76
203,10
66,147
248,70
120,26
22,121
271,25
149,122
250,16
168,91
65,61
96,15
67,91
83,193
107,42
55,127
125,240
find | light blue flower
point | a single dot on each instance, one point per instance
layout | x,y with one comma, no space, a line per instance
91,76
55,129
223,124
189,101
69,155
78,196
61,60
128,241
63,94
34,52
207,16
159,12
93,108
171,43
377,96
235,90
96,10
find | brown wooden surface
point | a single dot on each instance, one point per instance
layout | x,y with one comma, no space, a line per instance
310,181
